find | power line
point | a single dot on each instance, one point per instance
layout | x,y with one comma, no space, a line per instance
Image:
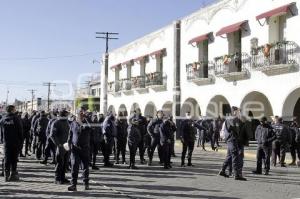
106,36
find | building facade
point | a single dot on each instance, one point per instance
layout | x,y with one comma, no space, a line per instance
234,52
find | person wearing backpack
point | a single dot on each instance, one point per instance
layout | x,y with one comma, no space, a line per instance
264,135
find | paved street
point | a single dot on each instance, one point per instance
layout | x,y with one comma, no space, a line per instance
200,181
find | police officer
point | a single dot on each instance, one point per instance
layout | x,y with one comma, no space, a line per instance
95,140
26,132
12,137
134,139
121,138
234,152
79,142
153,131
166,132
59,134
109,133
294,140
142,126
33,133
50,146
174,129
202,131
188,137
281,142
264,135
40,127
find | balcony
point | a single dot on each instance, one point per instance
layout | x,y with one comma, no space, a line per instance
233,67
138,84
125,86
156,81
198,73
113,88
275,59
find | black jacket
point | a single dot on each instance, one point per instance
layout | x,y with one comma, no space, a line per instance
134,135
282,133
26,126
166,132
59,132
79,136
122,129
40,127
264,135
11,130
153,127
187,131
109,128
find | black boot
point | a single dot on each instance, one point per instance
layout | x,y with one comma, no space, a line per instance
72,188
14,177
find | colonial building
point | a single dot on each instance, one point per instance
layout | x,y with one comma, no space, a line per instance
234,52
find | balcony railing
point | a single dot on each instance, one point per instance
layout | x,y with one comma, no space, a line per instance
154,79
197,70
125,84
138,82
232,64
272,55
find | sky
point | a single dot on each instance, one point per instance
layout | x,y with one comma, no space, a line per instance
54,40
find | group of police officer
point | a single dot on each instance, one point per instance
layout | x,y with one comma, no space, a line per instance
73,141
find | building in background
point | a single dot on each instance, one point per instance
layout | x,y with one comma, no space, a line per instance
234,52
89,96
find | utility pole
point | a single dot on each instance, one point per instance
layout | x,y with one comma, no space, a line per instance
32,91
106,36
49,84
7,92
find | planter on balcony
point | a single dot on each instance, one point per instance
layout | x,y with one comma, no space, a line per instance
125,86
275,59
156,81
233,67
197,73
138,84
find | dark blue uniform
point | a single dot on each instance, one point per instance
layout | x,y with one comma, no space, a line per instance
166,133
59,135
50,146
26,133
153,131
295,142
121,139
12,137
280,144
79,141
264,135
188,137
40,128
109,133
134,139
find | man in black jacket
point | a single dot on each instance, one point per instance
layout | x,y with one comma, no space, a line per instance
79,143
12,137
153,131
121,138
188,137
109,133
264,135
134,139
59,134
40,127
26,133
166,133
95,140
294,141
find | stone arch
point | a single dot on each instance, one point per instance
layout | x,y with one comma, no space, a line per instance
218,106
291,105
122,108
111,109
190,105
134,106
258,104
150,109
167,108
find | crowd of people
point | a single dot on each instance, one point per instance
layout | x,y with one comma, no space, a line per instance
74,141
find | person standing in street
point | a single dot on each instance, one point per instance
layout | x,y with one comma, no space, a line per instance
188,137
134,139
59,134
264,135
79,143
121,138
26,133
294,140
40,127
109,133
12,137
166,133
